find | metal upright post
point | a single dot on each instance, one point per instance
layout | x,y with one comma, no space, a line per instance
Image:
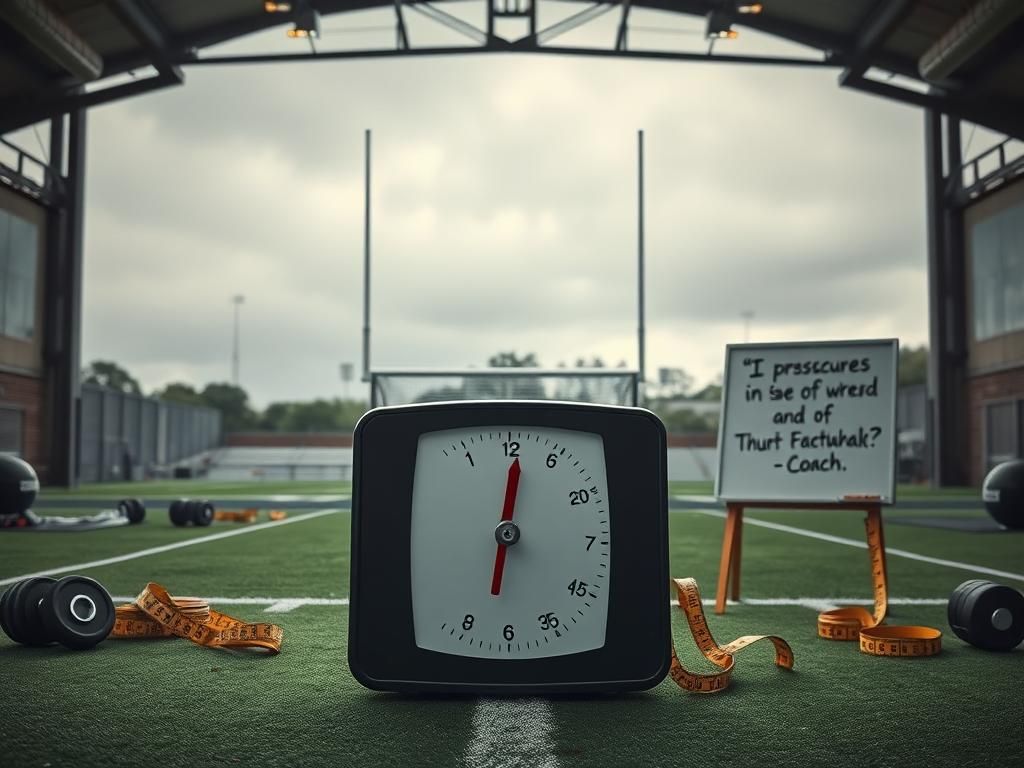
947,345
69,385
235,352
366,266
640,265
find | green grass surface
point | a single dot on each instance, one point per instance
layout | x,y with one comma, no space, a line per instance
172,703
198,488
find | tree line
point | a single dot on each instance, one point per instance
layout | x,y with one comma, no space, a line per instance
670,400
237,412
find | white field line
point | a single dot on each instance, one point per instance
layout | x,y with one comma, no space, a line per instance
288,604
171,547
863,545
511,733
321,499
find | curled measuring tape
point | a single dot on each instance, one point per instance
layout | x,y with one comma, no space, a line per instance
232,516
156,614
720,656
857,623
249,515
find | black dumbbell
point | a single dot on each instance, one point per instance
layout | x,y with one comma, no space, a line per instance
185,511
177,512
133,509
987,615
75,611
202,512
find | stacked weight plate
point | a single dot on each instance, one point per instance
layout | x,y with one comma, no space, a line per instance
987,615
75,611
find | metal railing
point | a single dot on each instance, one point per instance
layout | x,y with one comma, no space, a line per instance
992,168
28,174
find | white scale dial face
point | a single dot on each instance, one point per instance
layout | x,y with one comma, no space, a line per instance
545,592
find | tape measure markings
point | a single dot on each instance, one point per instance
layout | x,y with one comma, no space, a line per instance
155,613
857,623
861,545
721,656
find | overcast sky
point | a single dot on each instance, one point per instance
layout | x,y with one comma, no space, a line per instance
504,215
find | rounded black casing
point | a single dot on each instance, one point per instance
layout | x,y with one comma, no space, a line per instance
382,651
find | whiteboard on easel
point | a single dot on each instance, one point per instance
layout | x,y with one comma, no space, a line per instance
808,422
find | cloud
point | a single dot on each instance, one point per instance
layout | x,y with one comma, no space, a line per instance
504,216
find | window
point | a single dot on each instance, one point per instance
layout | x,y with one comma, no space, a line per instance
1002,433
997,254
10,430
19,249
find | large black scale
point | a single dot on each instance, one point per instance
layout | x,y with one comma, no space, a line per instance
399,529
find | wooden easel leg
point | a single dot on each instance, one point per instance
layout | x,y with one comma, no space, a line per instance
725,566
737,555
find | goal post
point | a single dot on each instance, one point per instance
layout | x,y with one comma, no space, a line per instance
606,386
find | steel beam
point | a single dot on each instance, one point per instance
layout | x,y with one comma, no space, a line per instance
1006,117
452,22
142,21
525,45
883,20
402,35
51,104
63,306
622,36
947,342
572,22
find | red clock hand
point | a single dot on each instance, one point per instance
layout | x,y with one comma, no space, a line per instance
511,488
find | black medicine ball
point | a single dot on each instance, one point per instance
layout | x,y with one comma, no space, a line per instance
1003,493
18,485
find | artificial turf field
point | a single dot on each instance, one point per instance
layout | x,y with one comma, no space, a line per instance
169,702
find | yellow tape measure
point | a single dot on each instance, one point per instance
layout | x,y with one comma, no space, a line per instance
156,614
857,623
249,515
720,656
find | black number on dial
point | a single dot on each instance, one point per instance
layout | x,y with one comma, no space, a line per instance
552,460
581,496
470,459
548,621
578,588
467,623
511,449
591,542
508,633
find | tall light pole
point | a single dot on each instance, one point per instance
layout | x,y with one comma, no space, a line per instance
238,300
346,376
641,347
747,316
366,262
